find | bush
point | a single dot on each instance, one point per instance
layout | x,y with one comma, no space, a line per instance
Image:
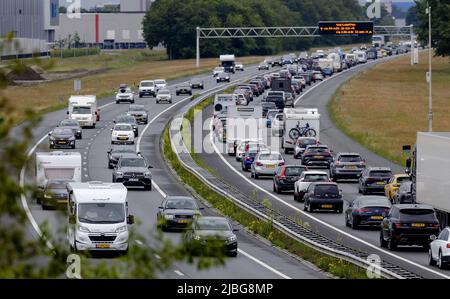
74,52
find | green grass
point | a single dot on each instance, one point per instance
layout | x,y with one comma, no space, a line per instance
265,229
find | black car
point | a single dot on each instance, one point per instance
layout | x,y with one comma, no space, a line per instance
286,177
139,113
212,236
367,210
61,138
323,196
404,193
177,212
317,155
223,77
266,106
409,224
115,153
55,194
72,124
128,119
347,166
279,102
263,66
373,179
133,171
197,84
184,89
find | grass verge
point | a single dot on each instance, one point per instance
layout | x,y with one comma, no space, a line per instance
265,229
383,108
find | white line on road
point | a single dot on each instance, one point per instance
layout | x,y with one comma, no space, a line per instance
179,273
264,264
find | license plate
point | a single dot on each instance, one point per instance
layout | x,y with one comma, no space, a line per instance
376,217
418,225
350,167
62,201
134,180
183,221
318,157
122,138
380,183
327,206
61,142
103,246
270,166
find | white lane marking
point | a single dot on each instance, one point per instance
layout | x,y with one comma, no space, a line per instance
264,264
163,194
179,273
139,242
317,219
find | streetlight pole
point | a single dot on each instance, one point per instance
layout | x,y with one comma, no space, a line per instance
197,48
429,77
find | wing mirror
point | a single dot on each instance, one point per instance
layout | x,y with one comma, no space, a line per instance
72,219
201,208
67,112
433,237
150,167
235,229
130,219
49,134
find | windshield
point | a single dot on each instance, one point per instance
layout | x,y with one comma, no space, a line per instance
271,114
381,173
123,150
69,123
122,128
316,177
350,159
132,162
403,179
294,171
326,191
270,157
147,84
164,92
101,213
81,110
307,141
57,185
160,82
126,119
221,225
62,132
136,108
183,204
372,201
417,215
317,149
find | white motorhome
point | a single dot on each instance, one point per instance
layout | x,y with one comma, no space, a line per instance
84,110
337,64
57,165
228,62
378,41
361,56
98,217
326,63
243,123
298,118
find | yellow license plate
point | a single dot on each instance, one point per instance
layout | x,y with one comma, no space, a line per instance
327,206
62,201
103,246
61,142
318,157
183,221
418,225
380,183
376,217
123,138
270,166
350,167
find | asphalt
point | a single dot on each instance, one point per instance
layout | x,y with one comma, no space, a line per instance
328,224
256,260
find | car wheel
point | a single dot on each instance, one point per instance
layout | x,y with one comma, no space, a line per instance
440,263
305,207
392,245
431,261
364,191
354,224
117,102
296,196
279,190
148,188
383,242
233,253
256,176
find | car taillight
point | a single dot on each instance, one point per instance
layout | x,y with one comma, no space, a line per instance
362,210
370,179
435,225
337,163
248,159
400,225
259,164
281,164
448,245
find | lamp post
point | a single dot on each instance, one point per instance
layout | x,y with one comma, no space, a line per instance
429,75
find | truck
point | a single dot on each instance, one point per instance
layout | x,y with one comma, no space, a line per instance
243,123
84,110
360,56
429,168
56,165
98,217
378,41
228,62
326,63
337,61
299,119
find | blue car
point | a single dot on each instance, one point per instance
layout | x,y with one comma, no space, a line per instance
327,72
247,160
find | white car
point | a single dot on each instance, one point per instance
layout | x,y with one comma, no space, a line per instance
122,134
278,125
160,84
244,144
147,88
301,144
300,79
306,178
164,95
218,70
238,66
125,94
266,163
439,252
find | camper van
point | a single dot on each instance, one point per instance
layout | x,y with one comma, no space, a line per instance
361,56
98,217
56,165
299,119
84,110
228,63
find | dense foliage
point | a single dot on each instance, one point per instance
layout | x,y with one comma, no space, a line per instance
173,23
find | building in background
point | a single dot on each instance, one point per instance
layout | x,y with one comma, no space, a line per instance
135,5
33,23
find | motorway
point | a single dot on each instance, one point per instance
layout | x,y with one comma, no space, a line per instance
256,258
330,225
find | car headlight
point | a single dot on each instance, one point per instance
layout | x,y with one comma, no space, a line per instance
148,174
231,239
83,229
169,216
119,173
47,195
52,138
197,238
78,131
121,229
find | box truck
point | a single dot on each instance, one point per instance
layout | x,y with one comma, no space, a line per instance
299,122
84,110
228,62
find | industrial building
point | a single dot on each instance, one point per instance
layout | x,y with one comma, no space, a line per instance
33,23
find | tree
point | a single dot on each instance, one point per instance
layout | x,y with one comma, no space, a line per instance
76,40
21,256
411,17
440,25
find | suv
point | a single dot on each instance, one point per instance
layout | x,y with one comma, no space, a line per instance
317,155
133,171
347,166
308,177
373,179
139,113
286,177
301,144
125,94
147,87
409,225
323,196
184,89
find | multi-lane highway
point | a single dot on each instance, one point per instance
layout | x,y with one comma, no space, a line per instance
255,260
330,225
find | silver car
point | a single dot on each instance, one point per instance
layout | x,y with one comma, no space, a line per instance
266,163
164,95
